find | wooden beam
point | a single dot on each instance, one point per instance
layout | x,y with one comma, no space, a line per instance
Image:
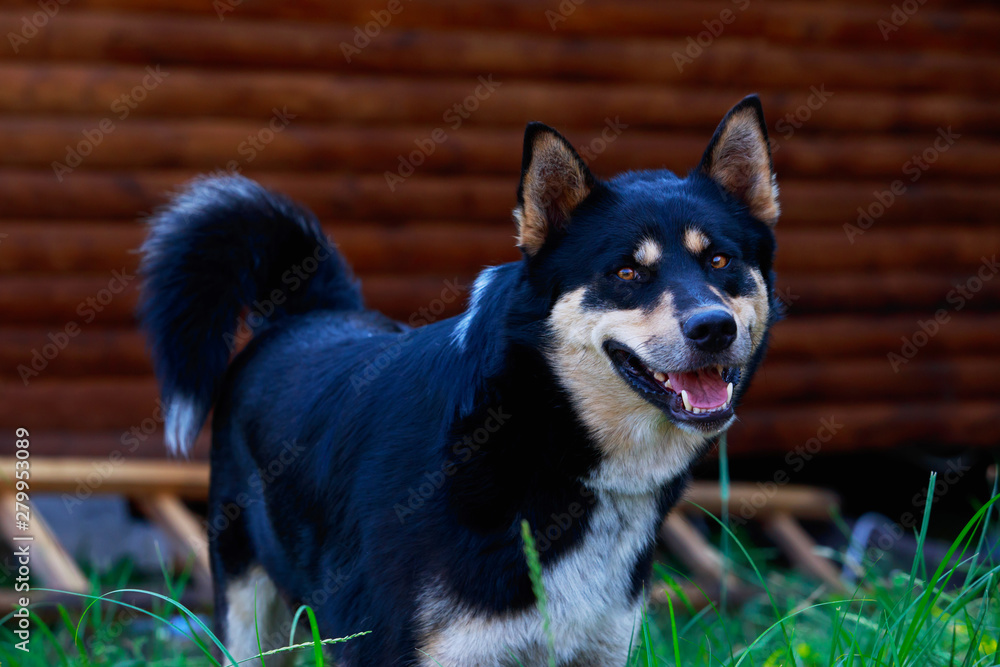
800,548
133,478
49,562
805,502
183,528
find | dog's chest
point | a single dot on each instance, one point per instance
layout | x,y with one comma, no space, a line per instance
590,597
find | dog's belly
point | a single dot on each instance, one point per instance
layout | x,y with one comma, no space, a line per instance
594,613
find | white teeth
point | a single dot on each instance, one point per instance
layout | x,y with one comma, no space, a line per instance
687,401
667,384
660,377
729,393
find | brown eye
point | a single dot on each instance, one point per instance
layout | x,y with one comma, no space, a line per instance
628,273
720,261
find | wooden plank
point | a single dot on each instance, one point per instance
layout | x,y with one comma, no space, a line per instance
828,339
212,144
805,502
421,49
50,563
794,430
790,431
63,299
94,403
692,549
183,528
455,247
800,548
35,89
29,193
851,22
119,474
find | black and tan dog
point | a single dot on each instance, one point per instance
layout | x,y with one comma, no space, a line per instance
381,473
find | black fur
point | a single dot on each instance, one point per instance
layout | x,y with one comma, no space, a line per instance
354,456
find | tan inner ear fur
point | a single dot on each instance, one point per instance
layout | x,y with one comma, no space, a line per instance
740,163
554,183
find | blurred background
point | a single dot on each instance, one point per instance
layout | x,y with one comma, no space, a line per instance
399,123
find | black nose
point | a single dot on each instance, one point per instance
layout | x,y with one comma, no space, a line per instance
711,330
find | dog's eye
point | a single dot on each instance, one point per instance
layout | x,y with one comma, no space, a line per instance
720,261
628,273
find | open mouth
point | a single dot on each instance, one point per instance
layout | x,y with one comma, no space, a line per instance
701,397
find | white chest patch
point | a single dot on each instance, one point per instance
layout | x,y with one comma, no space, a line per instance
593,616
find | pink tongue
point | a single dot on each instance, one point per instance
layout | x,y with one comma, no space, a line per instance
705,388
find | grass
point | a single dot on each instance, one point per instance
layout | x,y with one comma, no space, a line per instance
900,615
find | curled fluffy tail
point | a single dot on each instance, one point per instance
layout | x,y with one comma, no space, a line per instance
223,244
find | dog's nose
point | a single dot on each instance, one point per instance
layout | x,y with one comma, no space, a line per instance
711,330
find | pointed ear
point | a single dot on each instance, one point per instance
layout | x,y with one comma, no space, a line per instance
739,159
554,181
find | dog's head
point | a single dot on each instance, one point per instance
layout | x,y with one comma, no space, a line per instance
661,287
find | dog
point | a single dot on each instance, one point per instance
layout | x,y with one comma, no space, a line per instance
381,473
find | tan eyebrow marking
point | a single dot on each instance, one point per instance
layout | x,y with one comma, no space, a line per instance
695,241
648,253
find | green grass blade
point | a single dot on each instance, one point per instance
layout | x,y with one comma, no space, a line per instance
535,574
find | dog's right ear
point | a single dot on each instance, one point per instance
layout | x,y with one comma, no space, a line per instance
554,181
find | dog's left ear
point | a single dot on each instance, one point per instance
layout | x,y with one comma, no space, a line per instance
554,181
739,159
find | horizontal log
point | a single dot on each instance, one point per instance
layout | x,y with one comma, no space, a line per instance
785,431
439,247
213,144
105,403
339,196
87,300
34,89
791,430
118,475
418,50
847,23
83,299
805,502
808,340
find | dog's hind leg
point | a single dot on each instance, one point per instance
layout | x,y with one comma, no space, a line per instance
254,610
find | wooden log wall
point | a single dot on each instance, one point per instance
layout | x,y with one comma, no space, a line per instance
107,104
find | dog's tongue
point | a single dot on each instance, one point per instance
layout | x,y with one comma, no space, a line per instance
705,387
